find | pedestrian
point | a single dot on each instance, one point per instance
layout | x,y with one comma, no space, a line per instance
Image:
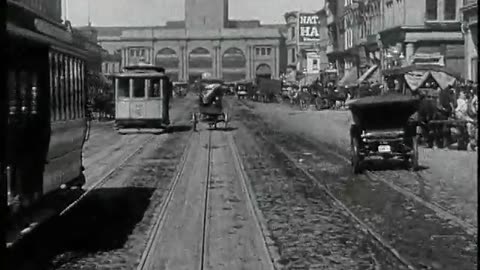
167,95
461,113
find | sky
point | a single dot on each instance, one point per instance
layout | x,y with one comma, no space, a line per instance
157,12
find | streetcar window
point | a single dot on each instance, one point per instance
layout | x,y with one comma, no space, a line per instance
61,92
12,91
138,88
123,87
68,88
82,89
154,88
52,86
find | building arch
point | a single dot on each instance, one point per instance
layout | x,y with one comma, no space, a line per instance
168,59
234,65
200,60
263,71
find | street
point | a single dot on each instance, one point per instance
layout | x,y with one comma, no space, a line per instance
275,191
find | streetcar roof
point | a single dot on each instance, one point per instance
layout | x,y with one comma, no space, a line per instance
140,75
142,67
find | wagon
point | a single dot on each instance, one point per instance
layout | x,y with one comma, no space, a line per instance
383,128
210,104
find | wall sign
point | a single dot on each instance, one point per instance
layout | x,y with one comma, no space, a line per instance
309,24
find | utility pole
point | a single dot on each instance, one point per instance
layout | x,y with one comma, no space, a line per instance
89,20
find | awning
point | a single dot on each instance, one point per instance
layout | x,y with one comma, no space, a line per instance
367,74
349,77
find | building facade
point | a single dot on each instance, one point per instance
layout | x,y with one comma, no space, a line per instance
306,42
369,36
424,30
207,41
470,31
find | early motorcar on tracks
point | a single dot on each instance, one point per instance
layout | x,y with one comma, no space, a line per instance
382,127
139,99
210,104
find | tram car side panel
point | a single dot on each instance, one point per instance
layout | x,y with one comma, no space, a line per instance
68,121
47,124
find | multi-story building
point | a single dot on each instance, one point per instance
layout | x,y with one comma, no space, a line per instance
470,31
424,30
207,41
306,42
364,33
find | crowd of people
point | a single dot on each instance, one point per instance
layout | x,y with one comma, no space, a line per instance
455,102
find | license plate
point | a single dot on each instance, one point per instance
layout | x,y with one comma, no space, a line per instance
384,149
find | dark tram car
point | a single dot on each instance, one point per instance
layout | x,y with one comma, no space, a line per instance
47,121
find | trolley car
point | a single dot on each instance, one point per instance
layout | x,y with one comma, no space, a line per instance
139,99
47,119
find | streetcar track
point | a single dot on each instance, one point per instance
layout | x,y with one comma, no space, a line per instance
337,202
206,207
439,210
364,227
159,224
108,175
161,214
253,207
33,227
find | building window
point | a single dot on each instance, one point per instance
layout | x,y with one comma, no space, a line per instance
257,51
293,55
431,10
269,51
132,53
450,10
293,32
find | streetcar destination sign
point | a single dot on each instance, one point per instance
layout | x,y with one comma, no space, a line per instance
309,27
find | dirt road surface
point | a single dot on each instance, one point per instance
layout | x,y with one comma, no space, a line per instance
412,221
208,224
274,191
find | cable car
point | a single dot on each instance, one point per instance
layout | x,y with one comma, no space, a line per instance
139,99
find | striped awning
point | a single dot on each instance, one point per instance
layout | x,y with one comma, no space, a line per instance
367,74
349,77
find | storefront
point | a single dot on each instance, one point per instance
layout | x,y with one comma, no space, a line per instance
433,41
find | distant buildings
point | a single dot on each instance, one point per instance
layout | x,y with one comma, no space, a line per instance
207,41
368,36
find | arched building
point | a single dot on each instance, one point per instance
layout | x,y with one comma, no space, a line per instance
205,42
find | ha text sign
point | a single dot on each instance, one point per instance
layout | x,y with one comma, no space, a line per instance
308,27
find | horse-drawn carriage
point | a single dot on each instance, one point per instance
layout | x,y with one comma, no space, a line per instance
383,127
210,104
267,89
436,120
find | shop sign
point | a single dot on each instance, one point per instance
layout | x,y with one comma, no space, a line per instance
309,27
